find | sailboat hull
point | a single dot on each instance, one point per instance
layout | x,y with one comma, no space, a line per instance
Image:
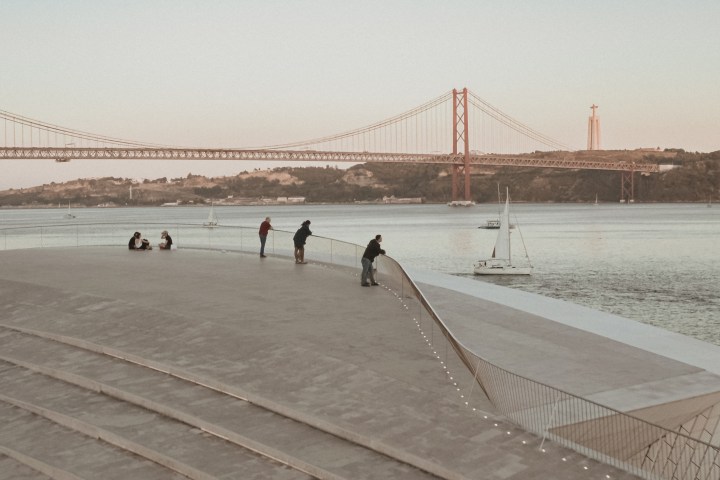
490,267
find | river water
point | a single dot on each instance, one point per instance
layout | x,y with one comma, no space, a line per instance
655,263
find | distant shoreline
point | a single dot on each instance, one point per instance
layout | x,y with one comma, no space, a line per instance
206,205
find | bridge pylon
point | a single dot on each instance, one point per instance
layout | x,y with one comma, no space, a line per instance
627,186
461,135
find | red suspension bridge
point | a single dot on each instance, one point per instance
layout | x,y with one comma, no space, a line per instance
440,131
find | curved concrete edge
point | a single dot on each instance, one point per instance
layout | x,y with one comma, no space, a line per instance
38,465
325,426
624,330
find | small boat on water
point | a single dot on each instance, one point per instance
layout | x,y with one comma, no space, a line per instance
212,220
501,261
492,224
69,214
461,203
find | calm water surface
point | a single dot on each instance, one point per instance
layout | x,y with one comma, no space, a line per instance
658,264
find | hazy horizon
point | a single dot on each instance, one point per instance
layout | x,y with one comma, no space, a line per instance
231,73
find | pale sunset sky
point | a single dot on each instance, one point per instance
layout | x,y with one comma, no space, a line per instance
243,73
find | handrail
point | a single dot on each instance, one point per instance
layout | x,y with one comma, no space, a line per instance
648,460
597,431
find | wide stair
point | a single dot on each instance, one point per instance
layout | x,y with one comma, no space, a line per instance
69,411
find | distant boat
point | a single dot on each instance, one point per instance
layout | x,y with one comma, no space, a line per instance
461,203
501,261
491,224
68,215
212,220
494,224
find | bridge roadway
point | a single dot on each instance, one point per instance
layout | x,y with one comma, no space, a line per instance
205,364
571,160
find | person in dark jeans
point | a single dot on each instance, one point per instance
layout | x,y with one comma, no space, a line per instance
373,250
265,227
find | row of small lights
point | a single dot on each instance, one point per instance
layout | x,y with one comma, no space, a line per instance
450,377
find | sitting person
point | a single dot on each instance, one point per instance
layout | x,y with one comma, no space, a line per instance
167,244
137,242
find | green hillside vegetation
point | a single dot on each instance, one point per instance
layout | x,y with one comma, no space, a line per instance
696,178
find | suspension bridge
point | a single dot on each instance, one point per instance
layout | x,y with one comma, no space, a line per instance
441,131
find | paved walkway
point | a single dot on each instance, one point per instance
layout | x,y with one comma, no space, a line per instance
225,365
613,361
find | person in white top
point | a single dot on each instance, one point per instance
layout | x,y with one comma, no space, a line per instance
137,242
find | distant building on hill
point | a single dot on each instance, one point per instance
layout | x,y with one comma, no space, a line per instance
290,199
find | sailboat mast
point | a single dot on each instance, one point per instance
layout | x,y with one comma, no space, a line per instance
507,219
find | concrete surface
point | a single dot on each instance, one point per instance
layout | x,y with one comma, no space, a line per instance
224,365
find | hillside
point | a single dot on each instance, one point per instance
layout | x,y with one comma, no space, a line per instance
696,178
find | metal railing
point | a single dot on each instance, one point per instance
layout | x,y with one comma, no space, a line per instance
607,435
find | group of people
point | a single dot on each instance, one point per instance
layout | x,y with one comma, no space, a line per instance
138,243
299,239
372,250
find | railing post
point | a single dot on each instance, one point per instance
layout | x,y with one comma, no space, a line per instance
549,422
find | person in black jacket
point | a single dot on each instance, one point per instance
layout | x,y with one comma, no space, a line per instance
373,250
137,242
166,244
299,241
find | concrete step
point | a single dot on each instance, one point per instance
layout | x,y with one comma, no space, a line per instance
173,444
64,454
273,435
11,469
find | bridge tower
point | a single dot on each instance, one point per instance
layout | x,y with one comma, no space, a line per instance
461,135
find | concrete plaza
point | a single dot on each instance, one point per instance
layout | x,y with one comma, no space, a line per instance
212,364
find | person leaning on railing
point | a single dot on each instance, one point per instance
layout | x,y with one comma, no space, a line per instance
265,227
299,241
373,250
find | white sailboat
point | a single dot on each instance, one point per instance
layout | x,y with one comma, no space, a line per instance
68,215
212,220
501,262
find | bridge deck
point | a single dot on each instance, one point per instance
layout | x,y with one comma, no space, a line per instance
339,383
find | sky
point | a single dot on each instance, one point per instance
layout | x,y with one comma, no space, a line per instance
242,72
